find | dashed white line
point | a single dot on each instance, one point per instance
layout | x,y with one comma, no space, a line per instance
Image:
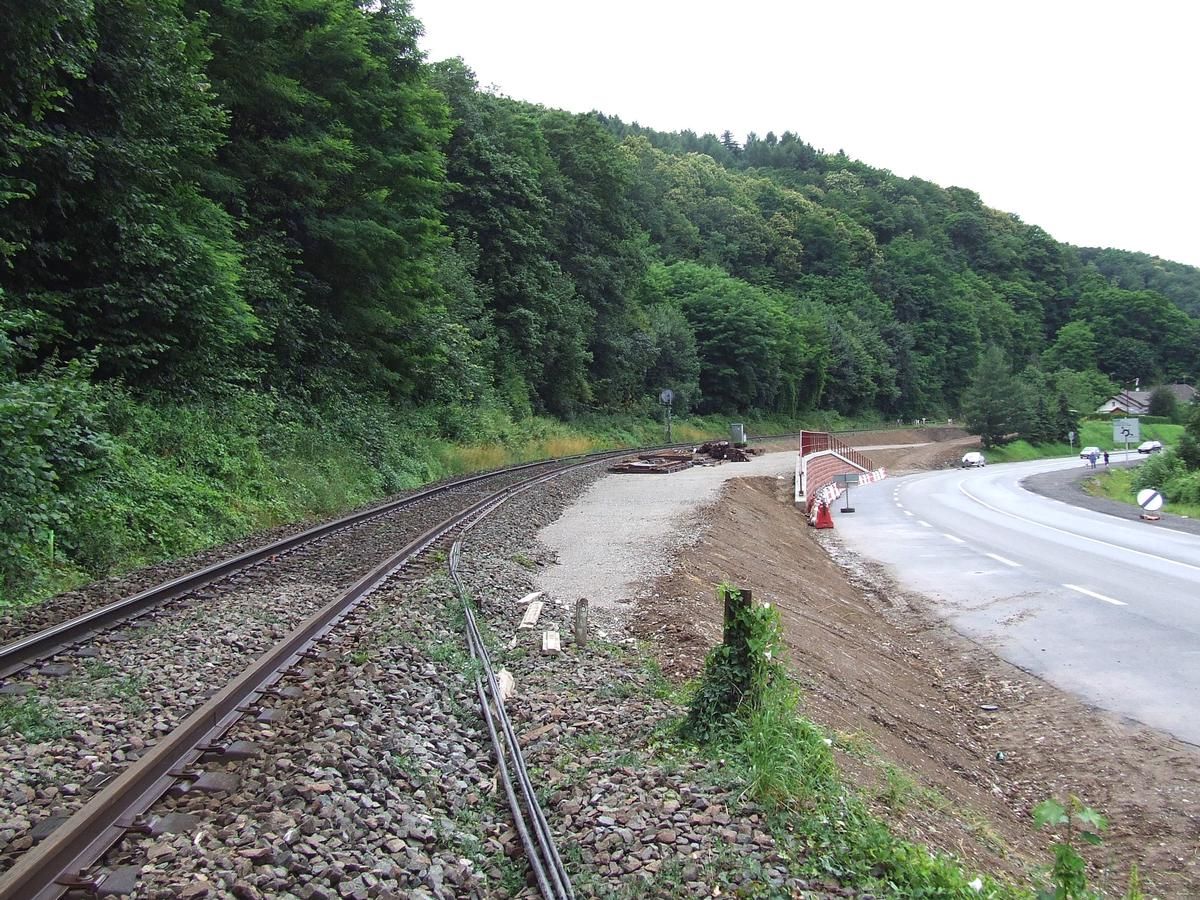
956,540
923,522
1083,590
1008,562
907,513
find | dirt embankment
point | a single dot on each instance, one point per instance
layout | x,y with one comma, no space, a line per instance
957,744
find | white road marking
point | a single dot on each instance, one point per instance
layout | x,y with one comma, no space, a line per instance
1008,562
1083,590
907,513
923,522
1082,537
956,540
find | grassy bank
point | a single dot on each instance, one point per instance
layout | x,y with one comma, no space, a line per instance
1122,485
743,712
156,481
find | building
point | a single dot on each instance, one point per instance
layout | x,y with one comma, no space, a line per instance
1137,403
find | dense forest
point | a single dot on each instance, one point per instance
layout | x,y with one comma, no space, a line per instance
234,229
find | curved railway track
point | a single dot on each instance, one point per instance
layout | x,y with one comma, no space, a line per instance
177,758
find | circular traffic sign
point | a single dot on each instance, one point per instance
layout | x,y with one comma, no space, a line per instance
667,396
1149,499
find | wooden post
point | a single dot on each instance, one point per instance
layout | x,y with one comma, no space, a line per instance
735,601
581,622
737,633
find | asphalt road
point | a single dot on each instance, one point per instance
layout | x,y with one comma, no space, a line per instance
1106,607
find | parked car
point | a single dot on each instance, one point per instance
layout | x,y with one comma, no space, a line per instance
1087,452
1149,446
973,459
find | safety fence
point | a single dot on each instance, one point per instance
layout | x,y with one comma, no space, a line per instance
822,458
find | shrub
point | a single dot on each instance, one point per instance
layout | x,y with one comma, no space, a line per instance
50,449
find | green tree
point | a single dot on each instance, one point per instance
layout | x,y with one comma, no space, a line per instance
503,227
990,406
1074,348
1163,402
111,238
334,168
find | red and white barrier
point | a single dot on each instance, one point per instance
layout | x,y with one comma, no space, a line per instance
821,458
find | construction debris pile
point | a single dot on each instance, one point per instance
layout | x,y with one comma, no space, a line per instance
727,451
657,462
661,462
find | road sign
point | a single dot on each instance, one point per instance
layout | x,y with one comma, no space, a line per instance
1149,499
846,478
667,395
1127,431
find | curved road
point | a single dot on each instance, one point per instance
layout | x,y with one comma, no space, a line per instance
1103,607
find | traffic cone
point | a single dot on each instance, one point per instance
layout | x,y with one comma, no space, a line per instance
824,519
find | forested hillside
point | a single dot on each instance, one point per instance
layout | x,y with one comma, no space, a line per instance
236,235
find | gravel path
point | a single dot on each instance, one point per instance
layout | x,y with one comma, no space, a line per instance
627,528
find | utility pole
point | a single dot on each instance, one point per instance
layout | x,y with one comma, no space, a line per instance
665,398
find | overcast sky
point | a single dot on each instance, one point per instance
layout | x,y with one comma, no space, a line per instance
1080,117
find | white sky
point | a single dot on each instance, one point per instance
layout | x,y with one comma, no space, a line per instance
1080,117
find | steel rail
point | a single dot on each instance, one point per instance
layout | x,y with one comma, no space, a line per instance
23,652
49,869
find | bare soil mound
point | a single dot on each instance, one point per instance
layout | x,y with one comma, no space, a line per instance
956,745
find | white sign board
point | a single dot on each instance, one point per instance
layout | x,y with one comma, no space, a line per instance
1127,431
1149,499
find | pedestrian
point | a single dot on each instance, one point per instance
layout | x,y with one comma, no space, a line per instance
1092,459
1106,458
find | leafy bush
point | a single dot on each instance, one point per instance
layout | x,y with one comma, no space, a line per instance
1158,471
740,672
50,447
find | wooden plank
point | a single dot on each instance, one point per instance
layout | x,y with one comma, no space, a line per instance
529,598
551,643
532,612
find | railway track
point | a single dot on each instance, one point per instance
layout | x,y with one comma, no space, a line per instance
60,625
177,757
103,700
